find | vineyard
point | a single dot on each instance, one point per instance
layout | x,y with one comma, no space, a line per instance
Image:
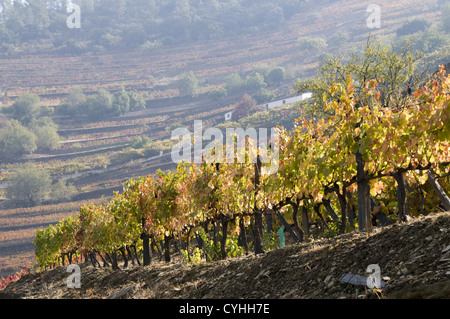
203,212
361,153
413,256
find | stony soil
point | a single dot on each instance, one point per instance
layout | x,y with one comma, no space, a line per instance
414,259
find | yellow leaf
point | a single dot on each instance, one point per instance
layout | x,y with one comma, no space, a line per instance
373,192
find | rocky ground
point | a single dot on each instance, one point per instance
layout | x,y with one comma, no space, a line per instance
414,259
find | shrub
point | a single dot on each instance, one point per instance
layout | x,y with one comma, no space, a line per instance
234,83
276,76
61,191
188,84
445,17
310,43
255,82
74,101
413,26
127,155
120,102
27,108
137,102
140,142
29,186
340,38
218,94
99,104
264,96
46,134
16,140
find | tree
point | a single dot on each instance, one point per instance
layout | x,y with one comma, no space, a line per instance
276,76
140,142
5,5
39,12
74,102
121,102
430,40
99,104
188,84
311,44
16,140
444,17
234,83
340,38
28,107
29,186
264,96
46,132
218,93
61,191
137,102
413,26
394,70
255,82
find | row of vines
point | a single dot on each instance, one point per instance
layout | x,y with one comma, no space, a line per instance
363,164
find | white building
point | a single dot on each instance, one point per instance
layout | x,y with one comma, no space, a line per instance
290,100
278,103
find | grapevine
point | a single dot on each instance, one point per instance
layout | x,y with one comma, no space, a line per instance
318,167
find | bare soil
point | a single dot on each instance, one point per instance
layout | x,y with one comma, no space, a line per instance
414,259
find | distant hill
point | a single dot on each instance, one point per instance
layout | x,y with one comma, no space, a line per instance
35,25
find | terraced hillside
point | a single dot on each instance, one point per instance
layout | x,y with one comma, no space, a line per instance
95,156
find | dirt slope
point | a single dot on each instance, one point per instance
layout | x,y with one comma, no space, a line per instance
414,259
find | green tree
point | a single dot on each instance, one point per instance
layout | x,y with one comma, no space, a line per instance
74,102
46,132
137,102
29,186
218,93
40,18
28,107
99,104
445,17
234,83
276,76
16,140
264,96
413,26
311,44
428,41
340,38
62,191
188,84
140,142
121,102
255,82
395,71
5,5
